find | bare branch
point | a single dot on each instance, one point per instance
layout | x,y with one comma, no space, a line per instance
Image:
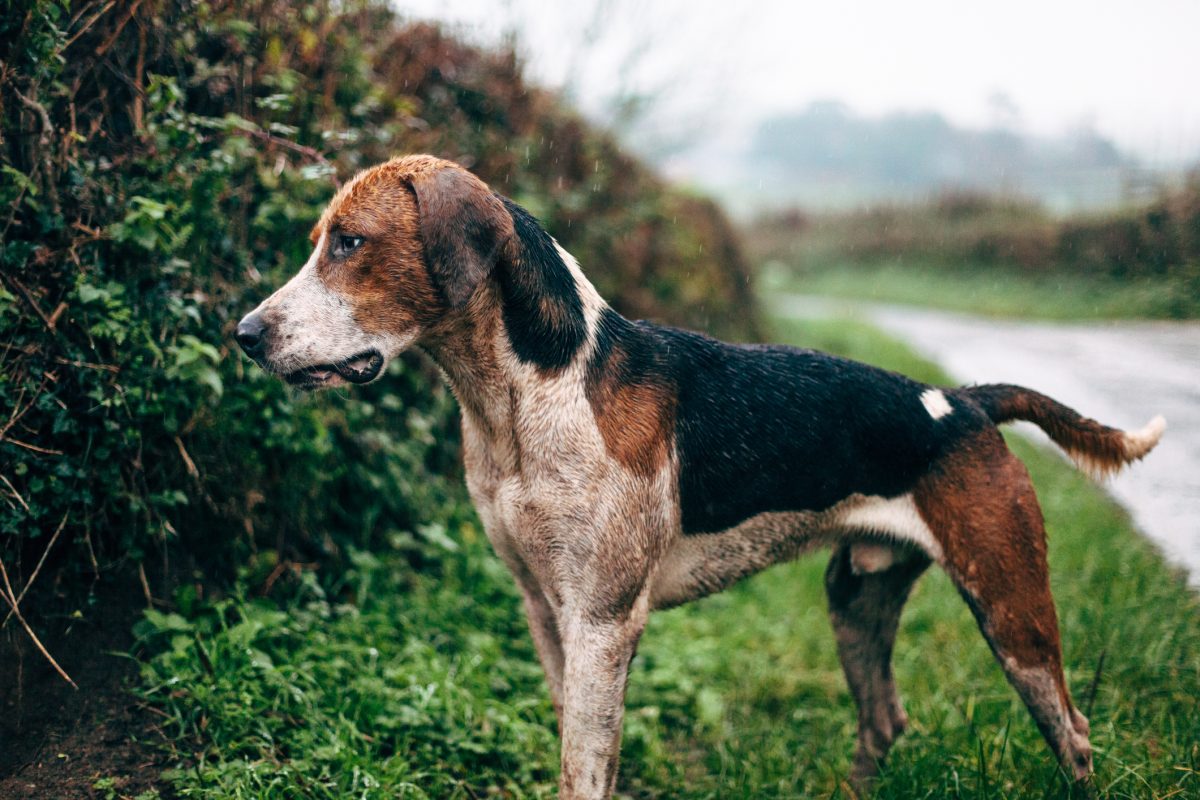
7,593
15,494
62,523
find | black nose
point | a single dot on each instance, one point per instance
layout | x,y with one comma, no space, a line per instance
251,332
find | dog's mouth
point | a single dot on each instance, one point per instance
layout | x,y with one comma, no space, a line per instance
362,368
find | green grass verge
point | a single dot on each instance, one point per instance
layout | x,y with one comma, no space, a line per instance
992,291
426,685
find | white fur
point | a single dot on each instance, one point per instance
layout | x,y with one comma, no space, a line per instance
315,325
867,557
893,517
936,403
1139,443
1134,444
593,303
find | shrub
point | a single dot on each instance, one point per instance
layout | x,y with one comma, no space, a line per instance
162,163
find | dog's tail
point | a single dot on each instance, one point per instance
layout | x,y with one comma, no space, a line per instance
1096,449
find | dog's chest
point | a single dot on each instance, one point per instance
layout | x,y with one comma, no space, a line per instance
539,463
549,494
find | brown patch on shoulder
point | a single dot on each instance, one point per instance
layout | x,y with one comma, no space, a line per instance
981,507
634,421
632,399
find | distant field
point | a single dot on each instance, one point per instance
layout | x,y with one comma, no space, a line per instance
425,685
994,254
988,290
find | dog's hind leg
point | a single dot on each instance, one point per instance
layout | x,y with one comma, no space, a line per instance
865,610
980,505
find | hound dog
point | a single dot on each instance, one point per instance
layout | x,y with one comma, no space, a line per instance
621,467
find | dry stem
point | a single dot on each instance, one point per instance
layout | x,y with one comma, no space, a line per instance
7,593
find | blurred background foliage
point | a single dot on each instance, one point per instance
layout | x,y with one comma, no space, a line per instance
1145,255
162,162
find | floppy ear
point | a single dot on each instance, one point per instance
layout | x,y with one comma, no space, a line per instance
464,229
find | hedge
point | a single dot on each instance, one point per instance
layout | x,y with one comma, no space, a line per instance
162,163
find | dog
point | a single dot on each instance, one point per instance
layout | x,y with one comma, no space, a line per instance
620,467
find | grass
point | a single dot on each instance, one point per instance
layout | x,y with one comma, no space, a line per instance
990,290
392,683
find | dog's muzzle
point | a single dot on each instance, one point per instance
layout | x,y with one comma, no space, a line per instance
364,367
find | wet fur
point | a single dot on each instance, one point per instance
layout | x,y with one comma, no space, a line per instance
622,466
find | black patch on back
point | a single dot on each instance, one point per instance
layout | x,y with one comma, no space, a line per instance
642,358
773,428
543,313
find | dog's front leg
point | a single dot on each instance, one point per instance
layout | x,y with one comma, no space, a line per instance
543,627
598,649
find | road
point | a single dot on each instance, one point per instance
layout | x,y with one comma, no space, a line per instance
1121,373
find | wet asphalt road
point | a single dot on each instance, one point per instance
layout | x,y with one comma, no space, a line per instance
1121,373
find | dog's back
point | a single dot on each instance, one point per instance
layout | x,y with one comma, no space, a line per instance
775,428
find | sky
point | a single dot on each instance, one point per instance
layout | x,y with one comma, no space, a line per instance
1130,70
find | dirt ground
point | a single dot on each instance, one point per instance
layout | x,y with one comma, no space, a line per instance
55,741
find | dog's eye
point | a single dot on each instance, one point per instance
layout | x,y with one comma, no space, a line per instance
345,244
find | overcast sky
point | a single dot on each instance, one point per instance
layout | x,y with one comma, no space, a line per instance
1130,69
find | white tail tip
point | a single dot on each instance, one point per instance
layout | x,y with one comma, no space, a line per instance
1139,443
1135,445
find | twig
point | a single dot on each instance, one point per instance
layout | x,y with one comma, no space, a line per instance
19,412
153,710
86,26
35,448
145,585
93,233
38,568
103,48
58,312
15,494
138,74
187,459
296,147
40,110
87,539
29,299
1095,683
7,593
86,365
269,583
44,141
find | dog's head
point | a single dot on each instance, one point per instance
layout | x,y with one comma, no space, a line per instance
399,247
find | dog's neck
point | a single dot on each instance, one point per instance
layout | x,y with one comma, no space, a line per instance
490,348
465,345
